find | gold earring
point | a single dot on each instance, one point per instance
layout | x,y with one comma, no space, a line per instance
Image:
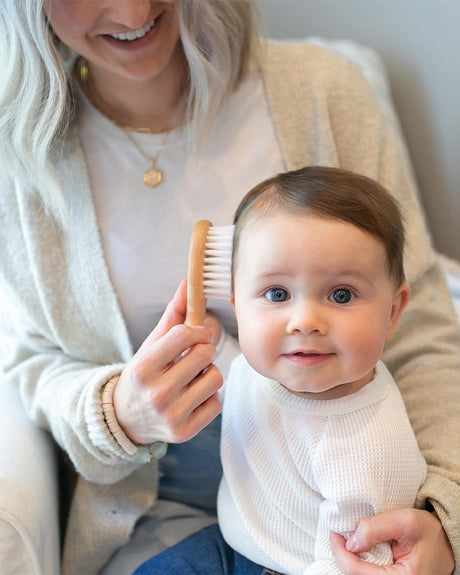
84,71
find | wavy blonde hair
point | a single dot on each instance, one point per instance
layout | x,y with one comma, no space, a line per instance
36,105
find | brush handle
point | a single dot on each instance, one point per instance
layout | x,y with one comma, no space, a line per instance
196,302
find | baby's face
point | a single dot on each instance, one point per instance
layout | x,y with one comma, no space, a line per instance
314,303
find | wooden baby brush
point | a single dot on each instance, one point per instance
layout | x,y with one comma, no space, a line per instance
209,268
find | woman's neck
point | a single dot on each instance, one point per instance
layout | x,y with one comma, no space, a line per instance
152,104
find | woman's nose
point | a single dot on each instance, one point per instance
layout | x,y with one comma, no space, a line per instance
130,13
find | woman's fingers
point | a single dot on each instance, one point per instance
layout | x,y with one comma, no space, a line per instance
165,383
169,347
174,313
200,417
349,563
203,387
157,395
384,526
419,544
167,392
212,324
180,402
193,361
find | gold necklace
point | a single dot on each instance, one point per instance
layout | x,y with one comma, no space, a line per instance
153,176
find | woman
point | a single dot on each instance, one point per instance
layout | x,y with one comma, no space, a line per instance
123,122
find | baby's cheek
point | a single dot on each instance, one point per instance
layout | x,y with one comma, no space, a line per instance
367,345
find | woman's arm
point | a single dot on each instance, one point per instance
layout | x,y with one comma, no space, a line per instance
64,393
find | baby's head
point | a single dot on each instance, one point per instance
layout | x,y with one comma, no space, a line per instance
333,194
318,278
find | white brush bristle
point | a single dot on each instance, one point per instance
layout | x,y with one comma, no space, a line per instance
217,273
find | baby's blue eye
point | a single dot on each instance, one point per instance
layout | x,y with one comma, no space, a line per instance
341,296
277,295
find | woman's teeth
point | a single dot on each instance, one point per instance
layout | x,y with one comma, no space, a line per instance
134,34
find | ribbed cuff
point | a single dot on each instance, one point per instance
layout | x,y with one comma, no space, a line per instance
157,449
111,419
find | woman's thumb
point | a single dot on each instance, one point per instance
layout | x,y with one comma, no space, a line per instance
174,313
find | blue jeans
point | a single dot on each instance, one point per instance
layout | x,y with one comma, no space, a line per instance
203,553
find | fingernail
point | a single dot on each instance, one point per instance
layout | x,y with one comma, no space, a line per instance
351,544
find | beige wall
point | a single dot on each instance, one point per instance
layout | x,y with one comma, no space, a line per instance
419,41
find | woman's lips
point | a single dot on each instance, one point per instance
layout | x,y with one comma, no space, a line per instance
131,35
133,39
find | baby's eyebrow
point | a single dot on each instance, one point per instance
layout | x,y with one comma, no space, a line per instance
273,274
353,273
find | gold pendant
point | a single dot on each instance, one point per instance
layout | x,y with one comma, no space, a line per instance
153,177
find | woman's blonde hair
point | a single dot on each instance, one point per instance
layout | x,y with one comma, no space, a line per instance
36,105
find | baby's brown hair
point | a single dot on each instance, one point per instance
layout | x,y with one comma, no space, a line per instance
333,194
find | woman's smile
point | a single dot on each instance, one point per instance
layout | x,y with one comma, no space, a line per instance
134,34
134,39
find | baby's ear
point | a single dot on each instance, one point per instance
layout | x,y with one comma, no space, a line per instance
400,299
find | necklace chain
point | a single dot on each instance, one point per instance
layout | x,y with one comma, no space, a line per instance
153,176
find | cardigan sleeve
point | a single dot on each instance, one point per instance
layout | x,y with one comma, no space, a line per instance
326,112
64,395
48,349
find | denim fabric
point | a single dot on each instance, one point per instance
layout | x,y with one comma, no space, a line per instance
165,524
190,472
203,553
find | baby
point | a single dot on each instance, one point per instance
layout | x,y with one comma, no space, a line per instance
315,434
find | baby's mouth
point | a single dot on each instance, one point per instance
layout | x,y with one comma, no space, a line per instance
307,358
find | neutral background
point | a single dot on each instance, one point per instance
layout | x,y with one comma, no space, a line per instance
419,41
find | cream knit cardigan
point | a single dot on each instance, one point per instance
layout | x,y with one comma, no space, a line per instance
62,335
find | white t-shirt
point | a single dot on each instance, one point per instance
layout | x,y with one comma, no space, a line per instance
145,231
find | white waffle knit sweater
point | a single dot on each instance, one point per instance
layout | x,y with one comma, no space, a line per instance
296,469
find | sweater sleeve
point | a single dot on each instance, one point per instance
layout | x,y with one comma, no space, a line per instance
64,395
361,473
327,113
61,336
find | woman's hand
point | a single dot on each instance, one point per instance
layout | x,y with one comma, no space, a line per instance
168,391
212,324
419,543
